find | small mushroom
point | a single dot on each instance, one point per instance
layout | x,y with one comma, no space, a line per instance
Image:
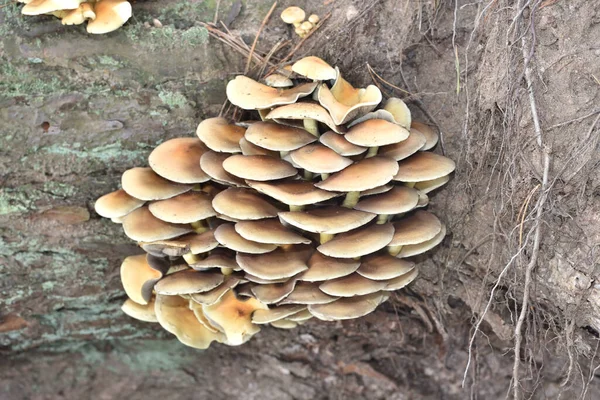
140,312
329,220
292,15
269,231
414,249
375,133
110,15
145,184
314,68
219,135
307,293
183,209
212,163
348,307
258,168
188,282
117,204
248,94
38,7
351,285
314,19
340,144
281,263
380,267
401,150
293,193
178,160
214,295
430,136
323,268
274,292
243,204
423,166
346,103
319,159
228,237
272,136
142,226
359,242
276,313
428,186
78,16
292,113
278,81
138,278
399,110
402,280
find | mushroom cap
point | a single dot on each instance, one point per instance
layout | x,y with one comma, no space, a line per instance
414,249
250,149
273,292
295,193
174,315
269,231
161,248
200,242
314,68
117,204
184,208
140,312
302,111
300,317
322,268
345,103
219,135
78,16
37,7
377,190
381,267
293,14
284,324
216,260
187,282
359,242
402,280
400,151
399,110
276,137
178,160
428,186
234,317
307,293
398,200
351,285
424,166
145,184
431,136
418,228
258,168
110,15
281,263
348,307
228,237
214,295
362,175
319,159
278,81
329,220
138,278
212,163
376,132
275,313
262,281
248,94
340,144
377,114
140,225
243,204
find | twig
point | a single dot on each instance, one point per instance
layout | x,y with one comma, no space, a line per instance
216,18
376,75
573,120
262,25
523,212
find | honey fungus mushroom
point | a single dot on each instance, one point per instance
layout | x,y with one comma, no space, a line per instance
315,210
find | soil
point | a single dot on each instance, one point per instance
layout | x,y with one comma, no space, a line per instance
523,208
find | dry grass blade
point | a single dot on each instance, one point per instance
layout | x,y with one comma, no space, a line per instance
378,77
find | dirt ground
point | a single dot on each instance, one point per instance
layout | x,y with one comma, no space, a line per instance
514,88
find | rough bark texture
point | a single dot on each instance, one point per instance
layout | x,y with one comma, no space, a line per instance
77,110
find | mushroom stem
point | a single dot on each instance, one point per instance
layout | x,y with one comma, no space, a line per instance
394,250
311,126
308,176
351,199
226,271
325,237
199,226
382,219
324,176
410,184
296,208
197,187
191,258
372,151
283,153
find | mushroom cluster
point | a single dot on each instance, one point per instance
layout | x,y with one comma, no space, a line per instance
103,16
295,16
312,210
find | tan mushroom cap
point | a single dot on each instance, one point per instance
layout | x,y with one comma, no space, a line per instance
377,190
140,225
314,68
402,280
200,242
275,313
161,248
243,204
216,260
322,268
358,242
330,220
178,160
340,145
349,307
400,151
287,114
262,281
258,168
351,285
307,293
424,166
110,15
300,316
376,132
234,317
431,136
198,311
274,292
228,237
276,137
145,184
293,14
188,282
140,312
345,103
423,200
269,231
281,263
399,110
185,208
380,267
78,16
250,149
377,114
428,186
248,94
138,278
117,204
278,81
284,324
295,193
174,315
362,175
418,228
37,7
214,295
212,163
219,135
319,159
414,249
398,200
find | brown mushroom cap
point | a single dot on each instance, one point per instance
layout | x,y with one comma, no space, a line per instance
348,307
214,295
376,132
248,94
424,166
399,110
380,267
314,68
38,7
300,317
295,193
351,285
430,136
139,278
188,282
340,145
273,292
278,81
319,159
377,190
398,200
358,242
414,249
262,281
178,160
140,225
258,168
428,186
307,293
377,114
281,263
329,220
275,313
145,184
345,103
402,280
418,228
228,237
215,260
200,242
292,14
250,149
212,163
269,231
322,268
140,312
219,135
110,15
185,208
117,204
243,204
400,151
363,175
276,137
300,111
